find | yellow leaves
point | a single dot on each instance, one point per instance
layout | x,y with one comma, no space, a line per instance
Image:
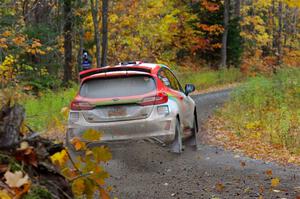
88,36
65,111
293,3
49,49
87,175
4,194
78,186
253,125
113,18
275,182
102,153
255,30
16,179
91,135
7,70
219,187
59,158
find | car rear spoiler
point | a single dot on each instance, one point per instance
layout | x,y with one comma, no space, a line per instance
94,71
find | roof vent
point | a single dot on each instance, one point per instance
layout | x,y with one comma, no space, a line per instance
130,62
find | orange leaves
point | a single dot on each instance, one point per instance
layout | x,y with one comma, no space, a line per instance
19,40
18,185
26,154
269,172
252,146
3,43
88,36
78,186
77,143
204,44
104,194
210,6
35,48
6,33
212,29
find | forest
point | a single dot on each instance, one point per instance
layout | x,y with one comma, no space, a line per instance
44,40
250,47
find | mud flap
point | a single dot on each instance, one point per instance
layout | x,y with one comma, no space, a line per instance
176,146
193,141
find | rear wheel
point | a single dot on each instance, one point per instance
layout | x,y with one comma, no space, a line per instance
176,146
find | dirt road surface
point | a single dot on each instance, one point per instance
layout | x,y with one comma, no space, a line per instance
143,169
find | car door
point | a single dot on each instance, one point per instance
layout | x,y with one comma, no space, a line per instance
183,100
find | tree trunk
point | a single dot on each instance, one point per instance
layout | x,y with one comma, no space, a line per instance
68,40
279,40
94,9
104,32
79,53
225,34
237,9
274,25
11,119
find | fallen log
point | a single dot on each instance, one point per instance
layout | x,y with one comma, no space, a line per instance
32,152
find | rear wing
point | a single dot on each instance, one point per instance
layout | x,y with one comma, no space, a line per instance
94,71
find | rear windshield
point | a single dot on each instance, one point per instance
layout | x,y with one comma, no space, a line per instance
117,87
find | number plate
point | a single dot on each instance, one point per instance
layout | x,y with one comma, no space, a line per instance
117,111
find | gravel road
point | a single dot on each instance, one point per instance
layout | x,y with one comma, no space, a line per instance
143,169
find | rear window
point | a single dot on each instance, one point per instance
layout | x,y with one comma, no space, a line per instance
117,87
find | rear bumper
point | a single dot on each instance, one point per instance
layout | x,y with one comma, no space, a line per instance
124,130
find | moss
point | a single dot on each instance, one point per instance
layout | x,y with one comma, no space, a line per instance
38,192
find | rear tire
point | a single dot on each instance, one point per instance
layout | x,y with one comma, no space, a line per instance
177,146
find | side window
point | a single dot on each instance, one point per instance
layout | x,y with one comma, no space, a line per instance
169,79
164,78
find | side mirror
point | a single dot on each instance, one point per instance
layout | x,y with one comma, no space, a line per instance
189,88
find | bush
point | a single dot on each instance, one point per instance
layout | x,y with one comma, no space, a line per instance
268,109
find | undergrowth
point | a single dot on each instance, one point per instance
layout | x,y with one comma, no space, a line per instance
205,79
267,109
44,111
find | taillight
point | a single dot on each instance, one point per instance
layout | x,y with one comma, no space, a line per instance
160,98
78,105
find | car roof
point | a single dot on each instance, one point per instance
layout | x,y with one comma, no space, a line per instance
150,68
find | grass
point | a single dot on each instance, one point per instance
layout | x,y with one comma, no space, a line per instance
42,111
267,109
206,79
